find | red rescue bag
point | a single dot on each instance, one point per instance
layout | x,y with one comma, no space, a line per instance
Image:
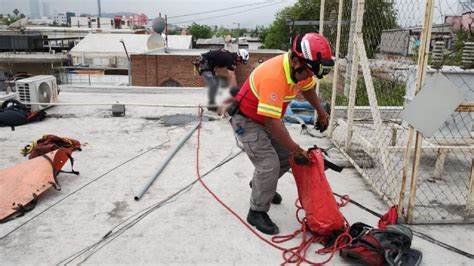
390,217
315,195
49,143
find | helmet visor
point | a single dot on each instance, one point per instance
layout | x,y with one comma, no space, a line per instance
319,69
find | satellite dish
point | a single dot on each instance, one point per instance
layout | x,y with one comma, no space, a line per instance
155,41
158,25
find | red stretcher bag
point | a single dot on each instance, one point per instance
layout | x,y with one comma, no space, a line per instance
315,195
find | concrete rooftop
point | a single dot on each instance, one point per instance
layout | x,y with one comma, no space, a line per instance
120,153
8,57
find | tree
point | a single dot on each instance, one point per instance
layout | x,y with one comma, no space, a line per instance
223,31
16,12
378,16
235,33
200,31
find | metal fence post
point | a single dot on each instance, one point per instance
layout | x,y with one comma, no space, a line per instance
321,31
336,69
420,78
354,73
350,48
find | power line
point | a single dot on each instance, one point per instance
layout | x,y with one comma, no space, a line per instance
222,9
230,14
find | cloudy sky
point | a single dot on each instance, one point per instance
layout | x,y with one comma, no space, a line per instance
249,14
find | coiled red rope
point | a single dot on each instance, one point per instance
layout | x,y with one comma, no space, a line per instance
296,254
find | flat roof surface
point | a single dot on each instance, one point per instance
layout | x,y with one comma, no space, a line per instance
110,43
135,43
31,57
121,153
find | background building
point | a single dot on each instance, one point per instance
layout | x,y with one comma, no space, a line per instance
60,19
34,9
106,51
153,68
46,11
92,22
69,15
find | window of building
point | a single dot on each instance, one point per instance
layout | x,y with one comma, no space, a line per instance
170,83
89,61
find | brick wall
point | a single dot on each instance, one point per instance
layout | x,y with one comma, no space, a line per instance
153,70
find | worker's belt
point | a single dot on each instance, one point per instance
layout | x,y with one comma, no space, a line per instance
234,109
241,113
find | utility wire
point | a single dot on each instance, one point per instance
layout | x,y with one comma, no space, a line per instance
88,183
418,234
230,14
137,217
222,9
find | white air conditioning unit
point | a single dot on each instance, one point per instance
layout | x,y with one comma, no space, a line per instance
39,90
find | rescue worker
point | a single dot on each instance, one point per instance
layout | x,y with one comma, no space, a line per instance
257,112
220,59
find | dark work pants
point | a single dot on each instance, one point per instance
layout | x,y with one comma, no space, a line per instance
212,84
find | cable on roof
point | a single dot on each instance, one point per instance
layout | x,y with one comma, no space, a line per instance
90,182
137,217
418,234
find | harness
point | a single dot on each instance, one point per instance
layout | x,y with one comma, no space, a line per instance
390,246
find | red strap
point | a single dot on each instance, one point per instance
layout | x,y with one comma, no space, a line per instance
390,217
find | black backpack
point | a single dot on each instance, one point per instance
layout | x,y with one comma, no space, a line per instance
13,113
390,246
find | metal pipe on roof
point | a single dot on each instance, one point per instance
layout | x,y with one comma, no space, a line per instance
164,163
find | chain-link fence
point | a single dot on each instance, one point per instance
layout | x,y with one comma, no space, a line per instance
378,72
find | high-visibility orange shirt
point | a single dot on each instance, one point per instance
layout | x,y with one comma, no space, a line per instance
269,89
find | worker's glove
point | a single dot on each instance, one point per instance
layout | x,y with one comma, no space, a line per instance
322,123
300,156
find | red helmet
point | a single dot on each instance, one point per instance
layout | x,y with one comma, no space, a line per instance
314,51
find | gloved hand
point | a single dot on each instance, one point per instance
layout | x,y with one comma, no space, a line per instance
300,156
323,122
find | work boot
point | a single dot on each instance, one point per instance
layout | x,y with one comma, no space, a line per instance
277,199
212,107
262,222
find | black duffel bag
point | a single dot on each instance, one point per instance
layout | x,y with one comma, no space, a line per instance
13,113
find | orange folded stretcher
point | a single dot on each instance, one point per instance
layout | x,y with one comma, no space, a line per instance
20,185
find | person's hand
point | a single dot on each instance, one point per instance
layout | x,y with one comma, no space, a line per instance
300,156
323,121
222,109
